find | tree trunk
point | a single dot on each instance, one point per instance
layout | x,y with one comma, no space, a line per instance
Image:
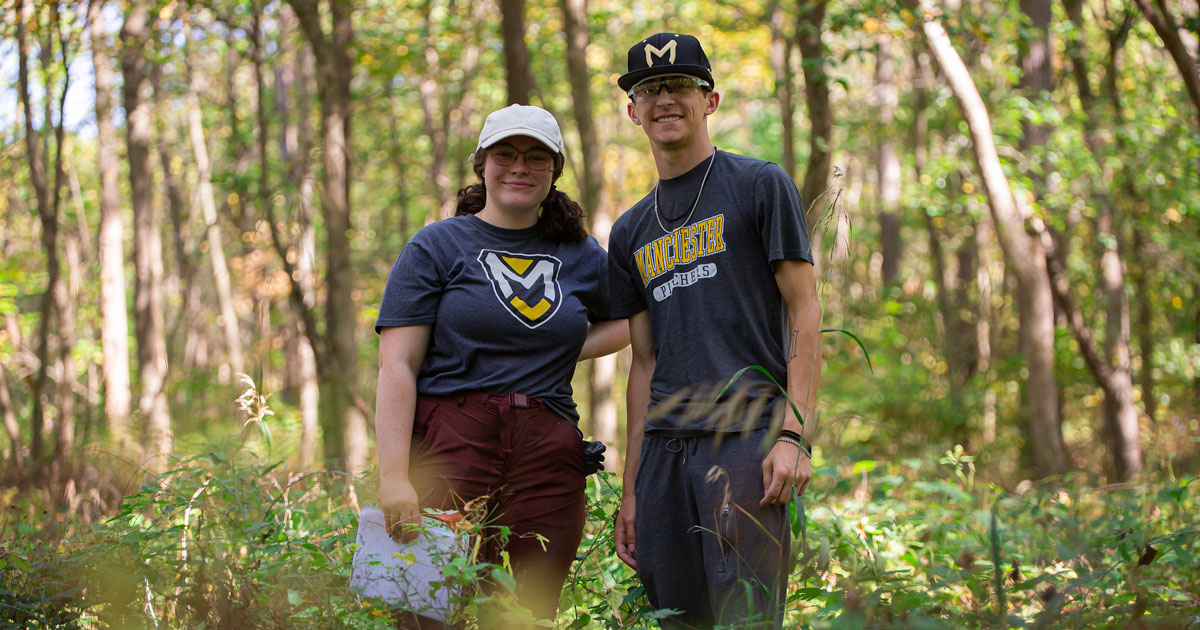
212,231
820,114
295,145
595,203
16,452
148,293
345,428
38,177
49,199
114,335
1025,255
65,297
983,328
179,277
1120,414
781,65
1113,371
516,55
1160,17
887,96
1037,77
1142,264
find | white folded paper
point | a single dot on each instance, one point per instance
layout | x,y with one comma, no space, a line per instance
406,575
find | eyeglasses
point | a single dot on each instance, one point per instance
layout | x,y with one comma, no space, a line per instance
649,91
536,158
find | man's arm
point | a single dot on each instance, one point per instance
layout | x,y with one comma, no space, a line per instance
785,466
637,400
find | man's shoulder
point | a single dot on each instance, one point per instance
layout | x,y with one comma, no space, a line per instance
752,167
629,220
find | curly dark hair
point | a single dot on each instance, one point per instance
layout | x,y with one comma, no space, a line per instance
560,219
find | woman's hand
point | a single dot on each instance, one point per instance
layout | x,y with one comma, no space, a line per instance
401,509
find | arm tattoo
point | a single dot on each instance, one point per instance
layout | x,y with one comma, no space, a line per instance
795,336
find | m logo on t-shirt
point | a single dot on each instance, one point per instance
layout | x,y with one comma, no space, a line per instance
526,284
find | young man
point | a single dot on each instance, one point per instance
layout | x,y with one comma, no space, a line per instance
714,271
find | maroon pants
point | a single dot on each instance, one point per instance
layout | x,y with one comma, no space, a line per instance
527,460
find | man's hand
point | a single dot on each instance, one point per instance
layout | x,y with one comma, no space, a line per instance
626,532
401,509
784,467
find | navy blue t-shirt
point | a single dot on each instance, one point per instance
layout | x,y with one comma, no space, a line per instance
708,282
509,309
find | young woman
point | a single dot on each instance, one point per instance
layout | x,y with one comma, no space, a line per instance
483,319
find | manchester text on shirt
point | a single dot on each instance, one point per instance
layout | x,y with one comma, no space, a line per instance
680,247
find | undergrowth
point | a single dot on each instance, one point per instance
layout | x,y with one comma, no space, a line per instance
223,541
231,539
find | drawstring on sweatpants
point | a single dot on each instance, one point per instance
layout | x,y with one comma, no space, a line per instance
685,445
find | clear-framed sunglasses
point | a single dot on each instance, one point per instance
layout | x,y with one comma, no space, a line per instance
680,84
536,158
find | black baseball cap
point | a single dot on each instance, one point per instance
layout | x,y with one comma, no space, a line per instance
666,53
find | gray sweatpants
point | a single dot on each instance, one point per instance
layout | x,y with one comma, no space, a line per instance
704,546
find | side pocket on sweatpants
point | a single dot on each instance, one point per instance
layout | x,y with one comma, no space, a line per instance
726,522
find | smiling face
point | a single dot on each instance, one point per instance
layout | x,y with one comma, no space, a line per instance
517,188
676,120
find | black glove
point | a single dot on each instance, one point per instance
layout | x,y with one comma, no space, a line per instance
593,456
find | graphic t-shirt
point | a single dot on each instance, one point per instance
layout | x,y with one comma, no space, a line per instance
509,309
708,282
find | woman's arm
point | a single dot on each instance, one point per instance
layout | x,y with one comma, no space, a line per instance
605,338
401,353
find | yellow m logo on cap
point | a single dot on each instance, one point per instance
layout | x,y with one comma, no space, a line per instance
651,50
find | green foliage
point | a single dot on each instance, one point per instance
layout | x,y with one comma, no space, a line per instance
905,543
219,539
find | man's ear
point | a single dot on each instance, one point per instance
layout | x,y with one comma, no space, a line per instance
632,116
714,99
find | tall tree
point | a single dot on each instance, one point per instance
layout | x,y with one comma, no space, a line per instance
809,26
1112,369
1025,255
516,54
342,412
595,203
782,46
114,327
47,193
148,262
212,227
295,144
887,160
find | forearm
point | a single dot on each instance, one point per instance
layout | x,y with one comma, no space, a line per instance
605,338
797,285
395,407
637,400
803,363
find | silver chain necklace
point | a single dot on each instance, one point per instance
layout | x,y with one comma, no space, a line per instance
694,203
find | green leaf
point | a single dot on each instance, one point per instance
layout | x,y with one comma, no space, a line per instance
856,340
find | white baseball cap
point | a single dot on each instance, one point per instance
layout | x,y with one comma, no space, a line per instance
521,120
